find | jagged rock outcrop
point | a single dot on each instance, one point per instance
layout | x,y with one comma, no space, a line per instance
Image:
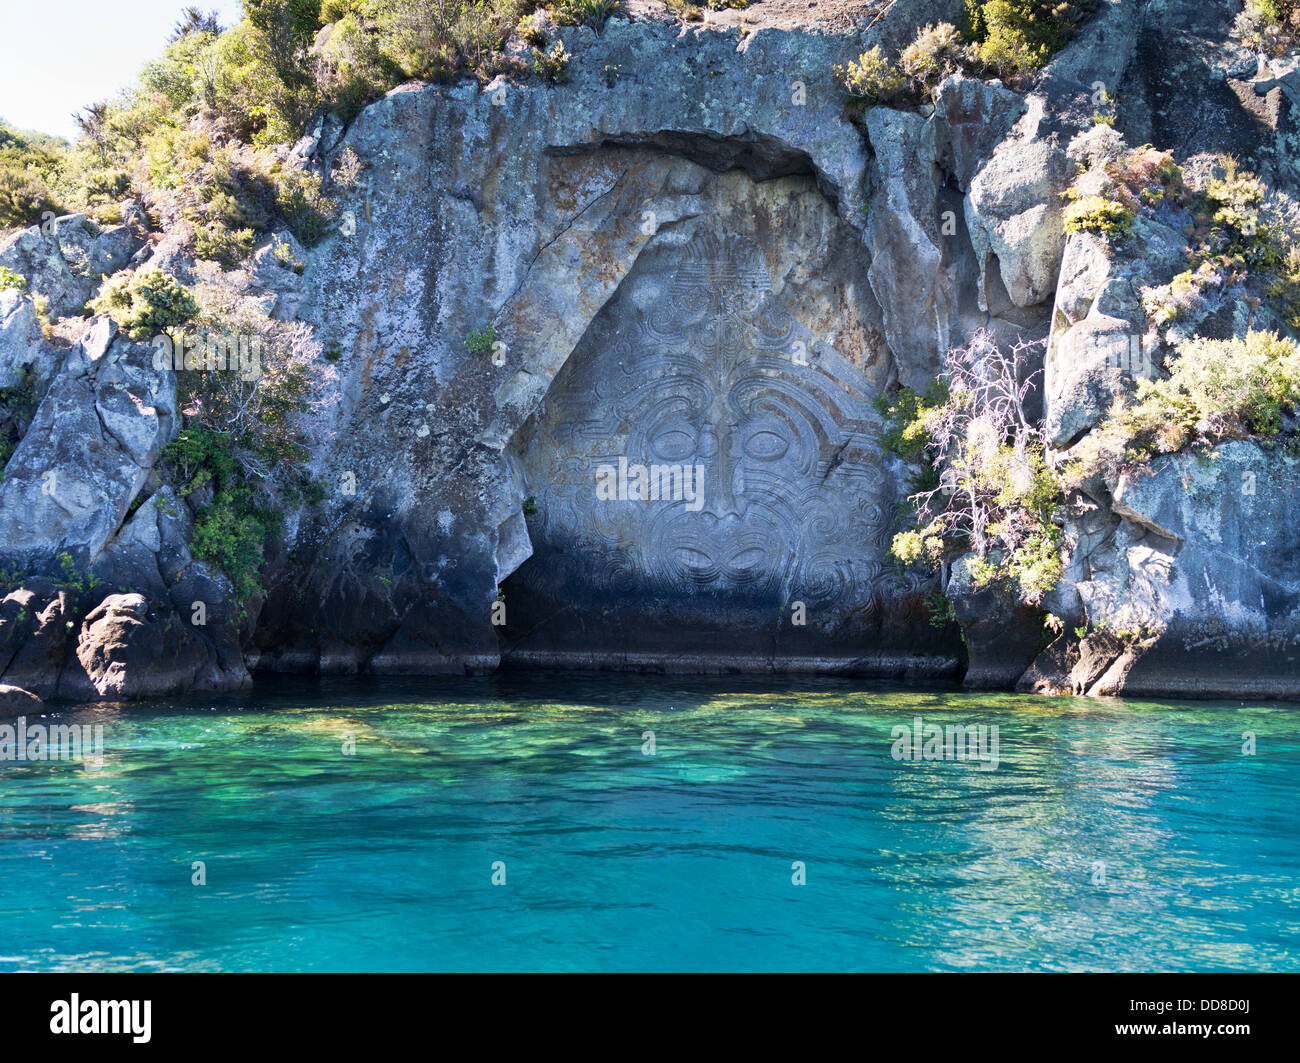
1188,582
1178,575
68,489
66,258
93,440
23,349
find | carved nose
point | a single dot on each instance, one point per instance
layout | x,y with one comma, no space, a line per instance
724,487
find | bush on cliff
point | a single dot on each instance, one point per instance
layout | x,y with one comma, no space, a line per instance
871,78
1217,390
246,427
145,303
1014,37
986,489
232,528
31,166
937,53
1269,26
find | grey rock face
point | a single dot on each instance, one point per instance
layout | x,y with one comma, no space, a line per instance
565,217
1014,214
691,260
96,434
733,369
1191,588
23,349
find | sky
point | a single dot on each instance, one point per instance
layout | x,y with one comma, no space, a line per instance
56,56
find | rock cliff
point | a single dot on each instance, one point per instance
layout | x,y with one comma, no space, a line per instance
598,361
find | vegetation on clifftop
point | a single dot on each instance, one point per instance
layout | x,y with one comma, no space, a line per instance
1009,39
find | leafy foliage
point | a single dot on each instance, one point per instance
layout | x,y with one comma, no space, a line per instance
231,530
1098,215
992,494
937,52
1269,26
552,65
1216,390
871,77
480,341
1016,37
31,166
145,302
243,443
589,12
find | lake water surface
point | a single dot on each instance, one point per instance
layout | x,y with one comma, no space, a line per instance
1112,835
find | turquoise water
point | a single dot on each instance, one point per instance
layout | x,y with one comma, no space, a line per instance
682,860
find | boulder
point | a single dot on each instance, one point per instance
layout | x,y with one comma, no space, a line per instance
65,259
1013,211
125,650
14,701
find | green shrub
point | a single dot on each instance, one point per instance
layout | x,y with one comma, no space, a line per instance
304,205
987,490
552,65
145,303
587,12
935,54
1015,37
1269,26
1285,290
1216,390
32,168
479,341
72,578
904,430
1237,226
685,10
530,30
19,400
243,433
352,68
10,279
24,197
227,247
871,78
232,528
1095,214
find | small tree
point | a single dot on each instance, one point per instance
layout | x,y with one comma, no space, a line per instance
995,494
193,21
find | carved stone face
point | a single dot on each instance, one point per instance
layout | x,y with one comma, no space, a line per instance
698,364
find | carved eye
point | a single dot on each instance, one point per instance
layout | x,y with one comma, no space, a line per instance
674,444
766,446
751,557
